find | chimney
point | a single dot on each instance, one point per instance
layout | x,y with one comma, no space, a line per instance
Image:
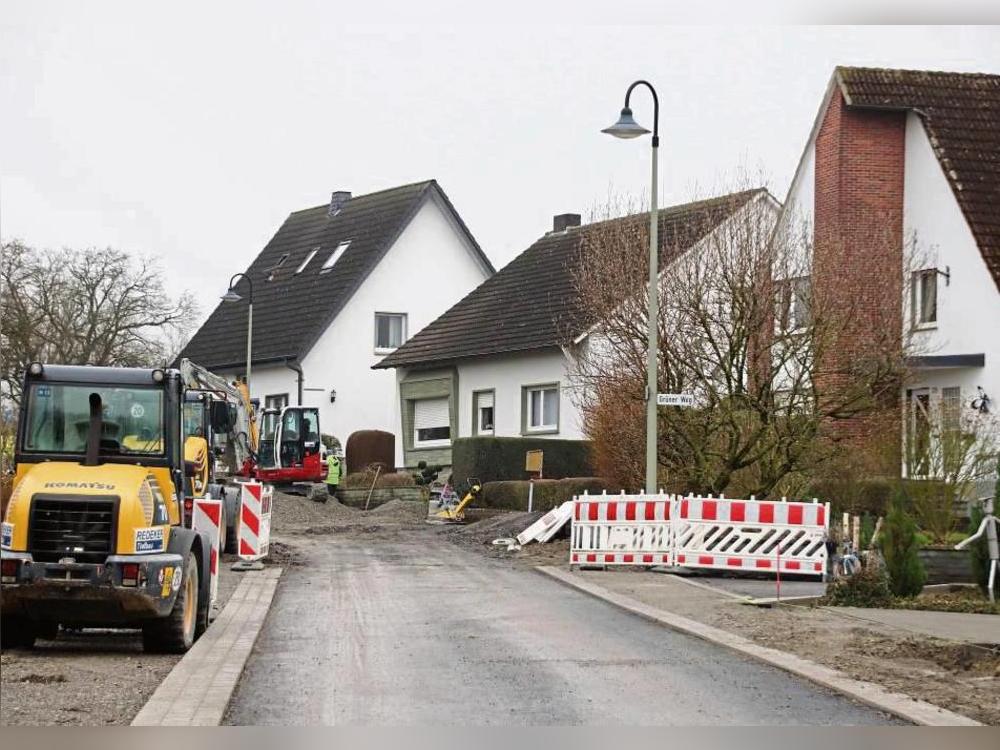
338,199
562,222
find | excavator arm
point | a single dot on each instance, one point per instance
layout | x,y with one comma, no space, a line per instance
243,435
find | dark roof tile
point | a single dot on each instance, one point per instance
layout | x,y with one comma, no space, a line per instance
961,113
293,309
530,303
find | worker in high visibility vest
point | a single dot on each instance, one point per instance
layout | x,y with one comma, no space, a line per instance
332,473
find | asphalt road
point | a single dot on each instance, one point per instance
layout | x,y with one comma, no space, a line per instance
393,631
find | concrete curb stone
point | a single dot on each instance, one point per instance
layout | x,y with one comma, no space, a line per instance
198,688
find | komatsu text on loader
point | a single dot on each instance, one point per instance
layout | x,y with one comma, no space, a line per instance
93,534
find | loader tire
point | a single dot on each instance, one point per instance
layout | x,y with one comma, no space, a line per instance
16,632
176,633
232,544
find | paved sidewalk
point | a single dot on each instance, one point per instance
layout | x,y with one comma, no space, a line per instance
953,626
197,691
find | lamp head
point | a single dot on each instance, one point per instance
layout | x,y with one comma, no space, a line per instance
626,127
231,296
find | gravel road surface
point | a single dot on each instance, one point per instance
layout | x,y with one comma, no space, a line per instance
401,628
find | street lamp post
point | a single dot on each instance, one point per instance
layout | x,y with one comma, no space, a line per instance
627,127
232,296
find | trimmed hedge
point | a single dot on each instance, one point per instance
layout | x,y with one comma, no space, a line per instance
368,447
513,495
495,459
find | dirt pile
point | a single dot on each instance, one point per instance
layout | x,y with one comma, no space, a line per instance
485,531
293,513
400,510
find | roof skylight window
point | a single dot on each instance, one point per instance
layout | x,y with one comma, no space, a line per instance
335,256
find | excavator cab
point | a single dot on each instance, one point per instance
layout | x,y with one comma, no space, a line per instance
290,445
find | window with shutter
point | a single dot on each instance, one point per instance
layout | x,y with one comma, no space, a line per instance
431,423
483,413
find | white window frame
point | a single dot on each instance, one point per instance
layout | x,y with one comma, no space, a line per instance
477,412
338,251
402,331
788,305
436,442
274,269
917,299
276,401
303,264
541,389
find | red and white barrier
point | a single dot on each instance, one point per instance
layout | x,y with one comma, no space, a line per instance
621,530
255,520
751,535
206,517
700,532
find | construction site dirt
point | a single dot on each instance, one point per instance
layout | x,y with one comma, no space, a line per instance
87,677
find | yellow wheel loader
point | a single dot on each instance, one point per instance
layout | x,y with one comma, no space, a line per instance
93,534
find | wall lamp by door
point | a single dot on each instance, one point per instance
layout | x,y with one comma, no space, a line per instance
333,395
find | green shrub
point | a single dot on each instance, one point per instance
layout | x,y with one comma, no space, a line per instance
899,545
513,495
867,530
867,588
495,459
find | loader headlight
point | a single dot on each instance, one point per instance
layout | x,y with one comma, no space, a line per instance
35,368
157,376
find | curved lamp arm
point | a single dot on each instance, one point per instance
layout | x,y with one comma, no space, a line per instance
248,280
656,107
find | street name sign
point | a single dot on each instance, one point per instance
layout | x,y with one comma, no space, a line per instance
674,399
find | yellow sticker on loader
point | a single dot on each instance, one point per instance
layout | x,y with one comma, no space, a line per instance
168,576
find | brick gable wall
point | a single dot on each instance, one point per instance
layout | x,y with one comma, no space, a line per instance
858,250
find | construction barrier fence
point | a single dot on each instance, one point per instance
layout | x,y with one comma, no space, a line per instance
762,536
254,523
206,518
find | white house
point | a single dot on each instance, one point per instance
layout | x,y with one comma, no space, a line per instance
337,288
914,155
501,361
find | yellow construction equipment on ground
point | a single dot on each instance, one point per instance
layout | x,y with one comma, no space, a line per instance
94,535
447,508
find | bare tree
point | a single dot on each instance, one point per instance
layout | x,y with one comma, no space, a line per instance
744,330
94,307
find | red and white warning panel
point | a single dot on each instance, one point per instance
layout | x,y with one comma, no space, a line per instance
206,517
751,535
700,532
255,520
621,530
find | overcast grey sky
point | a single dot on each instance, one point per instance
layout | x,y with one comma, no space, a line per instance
192,135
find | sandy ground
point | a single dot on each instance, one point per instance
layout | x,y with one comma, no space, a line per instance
90,677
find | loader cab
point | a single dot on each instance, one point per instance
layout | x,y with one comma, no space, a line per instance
138,418
290,444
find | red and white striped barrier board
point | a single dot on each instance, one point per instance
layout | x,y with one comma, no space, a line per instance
621,530
206,516
751,535
546,527
255,520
